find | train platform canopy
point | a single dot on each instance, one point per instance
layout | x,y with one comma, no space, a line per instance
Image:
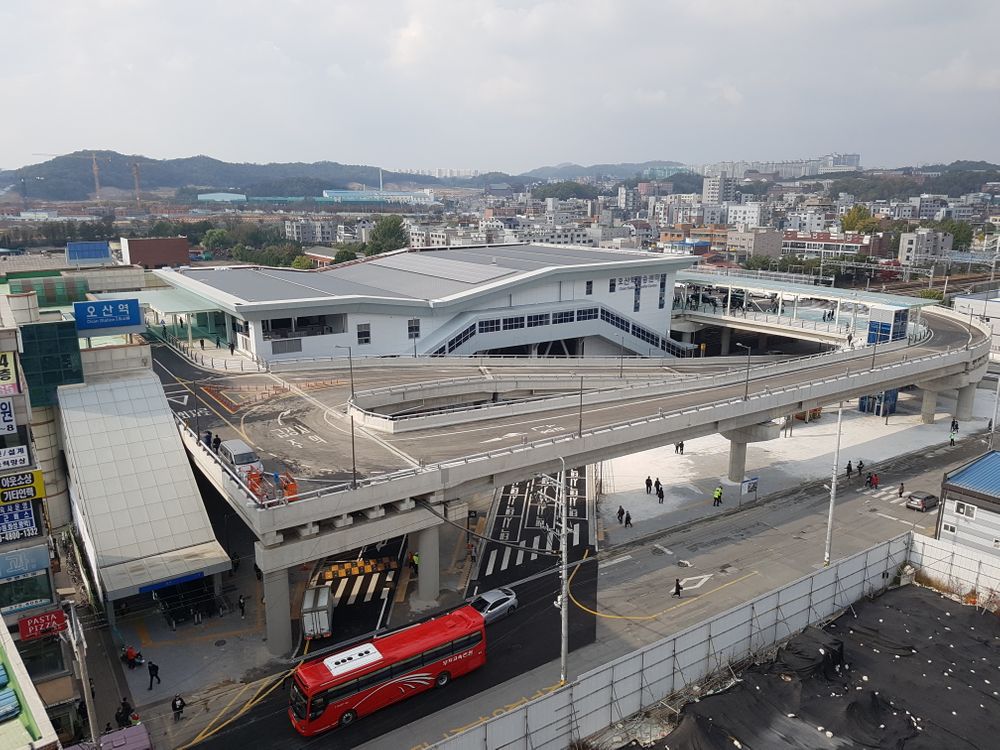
166,302
814,291
135,500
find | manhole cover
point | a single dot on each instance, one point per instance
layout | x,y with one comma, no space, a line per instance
221,642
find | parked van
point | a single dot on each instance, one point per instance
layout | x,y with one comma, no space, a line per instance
239,456
317,612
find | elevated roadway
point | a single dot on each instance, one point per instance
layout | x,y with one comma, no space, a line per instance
416,477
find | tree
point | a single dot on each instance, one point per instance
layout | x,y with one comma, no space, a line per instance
388,234
859,219
343,255
960,231
216,239
303,262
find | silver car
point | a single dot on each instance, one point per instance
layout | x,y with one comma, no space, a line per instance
922,501
495,604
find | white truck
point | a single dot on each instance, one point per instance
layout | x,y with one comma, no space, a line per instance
317,612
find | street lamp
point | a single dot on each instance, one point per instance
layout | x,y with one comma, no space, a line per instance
833,488
350,364
746,383
564,599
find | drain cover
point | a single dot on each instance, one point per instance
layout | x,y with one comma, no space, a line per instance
220,642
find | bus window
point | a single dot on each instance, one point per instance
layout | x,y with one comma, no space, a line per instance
437,654
468,641
298,701
403,667
374,678
318,705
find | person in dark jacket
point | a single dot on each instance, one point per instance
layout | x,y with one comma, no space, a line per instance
677,588
177,704
649,485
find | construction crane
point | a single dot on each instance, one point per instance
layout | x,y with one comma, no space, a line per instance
136,173
94,168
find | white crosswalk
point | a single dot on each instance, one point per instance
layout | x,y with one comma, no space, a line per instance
888,494
360,589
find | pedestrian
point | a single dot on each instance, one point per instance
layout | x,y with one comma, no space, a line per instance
154,673
717,496
951,437
954,425
875,480
989,427
201,343
177,704
657,485
682,447
242,604
232,348
218,343
868,480
121,719
409,562
628,520
677,447
130,654
621,513
850,469
861,467
206,438
649,485
659,494
677,588
125,709
416,563
216,442
901,489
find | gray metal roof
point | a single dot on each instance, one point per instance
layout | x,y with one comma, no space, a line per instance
424,274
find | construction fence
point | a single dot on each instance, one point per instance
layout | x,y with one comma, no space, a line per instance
956,568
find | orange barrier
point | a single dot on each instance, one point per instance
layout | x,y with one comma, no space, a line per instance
289,487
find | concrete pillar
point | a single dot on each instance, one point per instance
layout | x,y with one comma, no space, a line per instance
686,336
217,584
190,330
727,334
429,574
963,407
928,406
46,452
278,612
762,342
109,614
737,460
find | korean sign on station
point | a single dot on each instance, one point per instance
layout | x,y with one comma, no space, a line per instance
8,423
38,626
17,521
8,374
99,315
22,486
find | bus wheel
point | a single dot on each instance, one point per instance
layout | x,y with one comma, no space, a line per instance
347,718
443,679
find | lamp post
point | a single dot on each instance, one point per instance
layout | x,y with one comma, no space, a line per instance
350,364
621,359
354,459
746,382
564,598
833,488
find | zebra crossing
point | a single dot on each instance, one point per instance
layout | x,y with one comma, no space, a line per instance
361,589
888,494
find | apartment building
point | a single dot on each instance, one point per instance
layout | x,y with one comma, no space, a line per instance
805,221
827,244
720,189
923,244
744,244
311,230
746,215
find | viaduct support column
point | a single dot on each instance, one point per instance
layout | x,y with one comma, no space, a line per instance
278,612
928,406
966,397
762,342
429,574
727,334
738,439
737,460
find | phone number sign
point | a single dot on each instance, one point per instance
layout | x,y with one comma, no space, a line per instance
20,487
17,521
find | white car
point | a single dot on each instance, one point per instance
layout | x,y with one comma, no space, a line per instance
495,604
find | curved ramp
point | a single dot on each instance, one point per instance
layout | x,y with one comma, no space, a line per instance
135,500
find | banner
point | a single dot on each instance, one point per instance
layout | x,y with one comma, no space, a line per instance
38,626
25,485
8,423
8,374
14,457
17,521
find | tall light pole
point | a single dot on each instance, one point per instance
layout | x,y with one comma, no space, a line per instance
746,382
564,598
996,409
621,359
350,364
833,488
354,459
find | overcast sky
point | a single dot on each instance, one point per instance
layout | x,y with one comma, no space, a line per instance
492,84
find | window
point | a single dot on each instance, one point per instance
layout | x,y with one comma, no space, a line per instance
950,528
286,346
541,319
611,284
489,326
457,341
588,313
376,677
509,324
589,288
637,295
467,642
413,328
562,317
42,657
436,654
408,665
964,509
364,333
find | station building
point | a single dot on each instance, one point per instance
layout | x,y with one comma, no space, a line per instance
508,299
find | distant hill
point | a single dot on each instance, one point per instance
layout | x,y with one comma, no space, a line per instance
569,171
70,177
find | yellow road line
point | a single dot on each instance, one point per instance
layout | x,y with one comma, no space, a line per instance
221,712
185,386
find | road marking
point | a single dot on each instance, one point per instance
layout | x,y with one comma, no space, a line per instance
615,561
356,590
283,414
893,518
179,399
506,558
663,549
534,545
491,562
520,556
371,588
695,582
340,591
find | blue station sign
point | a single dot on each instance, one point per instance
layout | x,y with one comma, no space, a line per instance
98,315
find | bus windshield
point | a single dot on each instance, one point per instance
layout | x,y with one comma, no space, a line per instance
298,701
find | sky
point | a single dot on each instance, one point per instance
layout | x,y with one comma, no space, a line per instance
502,85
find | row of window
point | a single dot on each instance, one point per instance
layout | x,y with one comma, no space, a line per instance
321,700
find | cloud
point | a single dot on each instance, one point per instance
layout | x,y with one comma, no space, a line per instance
962,73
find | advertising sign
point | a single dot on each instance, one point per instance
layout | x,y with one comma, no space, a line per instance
88,252
8,374
7,421
17,521
14,457
25,561
37,626
24,485
113,313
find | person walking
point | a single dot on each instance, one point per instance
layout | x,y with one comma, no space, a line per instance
416,563
232,348
861,467
954,425
681,444
901,489
201,343
628,520
677,588
875,480
216,442
124,711
868,480
677,447
717,496
657,486
659,494
218,343
177,704
649,485
242,604
951,438
850,469
154,673
621,513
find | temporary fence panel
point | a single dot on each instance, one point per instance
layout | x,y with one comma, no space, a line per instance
958,567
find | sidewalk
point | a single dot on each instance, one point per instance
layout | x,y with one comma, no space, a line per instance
204,352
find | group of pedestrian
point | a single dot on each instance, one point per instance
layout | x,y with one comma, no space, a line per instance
125,716
871,480
828,316
679,447
954,432
656,487
624,517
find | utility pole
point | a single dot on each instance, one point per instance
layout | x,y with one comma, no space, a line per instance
580,427
74,633
564,597
833,488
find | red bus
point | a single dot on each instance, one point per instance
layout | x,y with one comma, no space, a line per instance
338,689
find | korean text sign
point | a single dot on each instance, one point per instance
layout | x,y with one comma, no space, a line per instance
113,313
22,486
8,374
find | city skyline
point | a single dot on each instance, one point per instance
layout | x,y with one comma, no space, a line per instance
493,86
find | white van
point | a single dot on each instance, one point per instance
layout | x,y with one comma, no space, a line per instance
239,456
